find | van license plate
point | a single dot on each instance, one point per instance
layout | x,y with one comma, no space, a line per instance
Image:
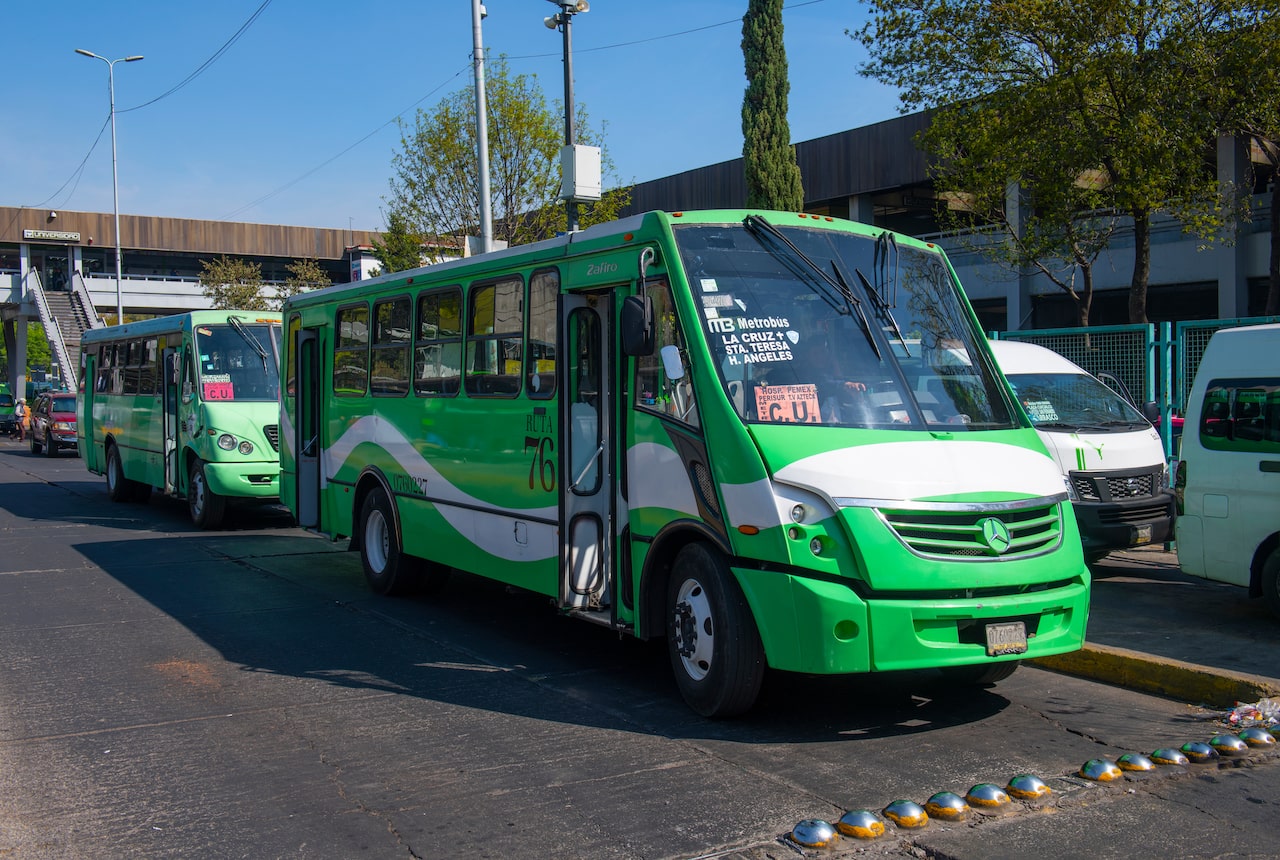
1006,638
1142,534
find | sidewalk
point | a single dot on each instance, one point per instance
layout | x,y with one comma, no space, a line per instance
1153,628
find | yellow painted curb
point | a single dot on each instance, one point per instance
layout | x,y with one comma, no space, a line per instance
1149,674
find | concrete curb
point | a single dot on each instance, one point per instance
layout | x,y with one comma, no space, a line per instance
1146,673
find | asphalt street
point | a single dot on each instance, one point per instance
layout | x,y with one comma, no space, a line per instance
166,692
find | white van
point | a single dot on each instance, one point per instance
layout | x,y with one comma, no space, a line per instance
1108,452
1228,480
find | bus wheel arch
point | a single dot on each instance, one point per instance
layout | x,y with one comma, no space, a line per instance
713,643
376,532
1262,557
1267,577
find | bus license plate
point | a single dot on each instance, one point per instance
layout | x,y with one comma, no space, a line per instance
1143,534
1006,638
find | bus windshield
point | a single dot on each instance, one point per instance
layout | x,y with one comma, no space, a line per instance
239,361
1074,401
823,327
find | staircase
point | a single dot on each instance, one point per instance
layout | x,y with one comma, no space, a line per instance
65,317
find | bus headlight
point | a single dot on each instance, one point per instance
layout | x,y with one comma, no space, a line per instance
227,442
1071,489
246,447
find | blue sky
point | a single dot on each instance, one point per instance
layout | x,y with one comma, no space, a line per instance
293,123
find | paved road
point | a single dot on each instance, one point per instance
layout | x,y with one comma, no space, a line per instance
171,693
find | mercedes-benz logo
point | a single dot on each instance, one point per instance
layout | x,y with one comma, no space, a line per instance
995,534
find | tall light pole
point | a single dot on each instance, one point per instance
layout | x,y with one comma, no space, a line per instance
562,20
115,175
482,128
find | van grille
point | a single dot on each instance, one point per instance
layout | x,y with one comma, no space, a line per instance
272,432
978,534
1110,487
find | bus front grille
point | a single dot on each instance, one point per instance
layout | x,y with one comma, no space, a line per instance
1005,533
272,432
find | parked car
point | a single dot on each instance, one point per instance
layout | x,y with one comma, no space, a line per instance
1228,479
7,420
53,423
1109,453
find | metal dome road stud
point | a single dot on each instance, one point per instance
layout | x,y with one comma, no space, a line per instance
946,805
986,795
1027,787
1228,745
814,833
906,814
1199,752
861,824
1256,736
1135,762
1167,755
1101,770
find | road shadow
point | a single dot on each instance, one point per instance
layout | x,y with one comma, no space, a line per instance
296,607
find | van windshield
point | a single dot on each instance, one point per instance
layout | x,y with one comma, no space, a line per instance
818,326
1074,401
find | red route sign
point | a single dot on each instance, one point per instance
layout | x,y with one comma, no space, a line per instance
790,404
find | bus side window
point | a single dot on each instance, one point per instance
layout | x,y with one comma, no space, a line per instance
495,338
673,398
540,363
351,351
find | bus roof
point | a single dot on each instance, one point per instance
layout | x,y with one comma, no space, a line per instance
173,323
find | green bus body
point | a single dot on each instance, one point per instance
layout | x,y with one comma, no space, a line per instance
187,405
494,415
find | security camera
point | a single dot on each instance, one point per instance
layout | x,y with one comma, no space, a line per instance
53,215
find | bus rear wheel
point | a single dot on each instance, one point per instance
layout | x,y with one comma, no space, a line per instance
119,488
386,568
712,639
206,506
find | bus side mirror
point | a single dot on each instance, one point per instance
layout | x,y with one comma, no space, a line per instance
672,366
1151,411
637,325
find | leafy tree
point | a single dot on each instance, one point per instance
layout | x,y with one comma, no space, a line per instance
434,186
233,284
304,275
773,177
38,351
1105,88
401,246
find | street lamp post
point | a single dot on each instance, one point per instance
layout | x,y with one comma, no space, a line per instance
115,176
562,21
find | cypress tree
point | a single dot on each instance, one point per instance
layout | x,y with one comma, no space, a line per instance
773,177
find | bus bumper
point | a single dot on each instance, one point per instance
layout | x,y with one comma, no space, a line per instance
842,633
244,480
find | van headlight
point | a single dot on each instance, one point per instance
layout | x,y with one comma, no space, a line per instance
1071,489
227,442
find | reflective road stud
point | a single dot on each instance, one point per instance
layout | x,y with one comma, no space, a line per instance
861,824
1167,755
1257,737
814,833
1027,787
1228,745
906,814
946,805
985,795
1136,762
1100,770
1198,751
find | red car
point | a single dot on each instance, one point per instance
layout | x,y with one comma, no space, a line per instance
53,423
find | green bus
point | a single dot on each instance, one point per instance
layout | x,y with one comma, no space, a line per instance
773,439
185,404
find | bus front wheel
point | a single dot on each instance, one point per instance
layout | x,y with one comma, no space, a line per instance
386,568
712,639
979,675
206,506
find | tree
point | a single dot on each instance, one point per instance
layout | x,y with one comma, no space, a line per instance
1105,85
304,275
769,160
233,284
401,246
434,188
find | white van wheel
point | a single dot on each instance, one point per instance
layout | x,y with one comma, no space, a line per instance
1271,581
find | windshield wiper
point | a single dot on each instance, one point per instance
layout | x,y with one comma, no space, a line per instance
884,309
249,337
755,224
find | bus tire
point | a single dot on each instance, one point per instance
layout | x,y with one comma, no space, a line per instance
1271,581
712,639
386,568
206,506
119,488
980,675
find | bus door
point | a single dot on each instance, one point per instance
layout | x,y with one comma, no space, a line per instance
85,421
171,362
306,442
587,465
